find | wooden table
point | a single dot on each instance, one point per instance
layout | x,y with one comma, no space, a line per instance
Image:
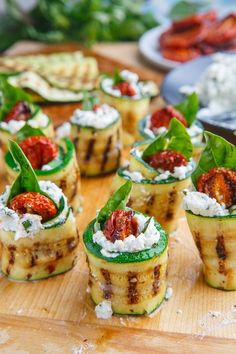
57,315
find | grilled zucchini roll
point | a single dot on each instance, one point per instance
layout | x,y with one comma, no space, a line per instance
37,229
95,131
51,162
158,122
130,97
127,258
211,212
16,110
159,170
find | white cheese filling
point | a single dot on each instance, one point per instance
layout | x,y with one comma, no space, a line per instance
139,87
201,204
102,117
26,225
144,240
193,131
63,131
216,86
40,120
104,310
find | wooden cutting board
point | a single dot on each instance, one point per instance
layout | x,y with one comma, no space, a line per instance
57,315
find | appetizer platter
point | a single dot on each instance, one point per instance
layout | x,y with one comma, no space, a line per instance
138,298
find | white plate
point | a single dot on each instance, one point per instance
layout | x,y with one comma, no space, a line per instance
149,48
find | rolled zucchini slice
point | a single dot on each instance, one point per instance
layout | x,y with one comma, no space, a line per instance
216,243
34,249
98,150
63,171
135,283
132,110
133,278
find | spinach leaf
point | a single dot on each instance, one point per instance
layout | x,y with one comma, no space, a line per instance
26,180
147,223
27,131
189,108
9,96
117,78
88,101
185,8
217,153
117,201
176,138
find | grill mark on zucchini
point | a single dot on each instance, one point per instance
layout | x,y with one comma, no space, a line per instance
89,150
156,282
63,184
76,141
11,249
150,202
51,268
171,201
107,291
71,244
133,297
221,253
28,276
105,153
32,262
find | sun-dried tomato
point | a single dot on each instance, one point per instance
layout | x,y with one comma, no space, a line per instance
167,160
126,89
181,54
219,183
33,203
96,106
120,225
39,150
20,111
223,31
163,116
195,19
183,39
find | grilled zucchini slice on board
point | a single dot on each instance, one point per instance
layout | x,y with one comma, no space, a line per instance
35,251
64,172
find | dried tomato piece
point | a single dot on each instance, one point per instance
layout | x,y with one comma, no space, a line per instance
120,224
167,160
39,150
96,106
181,54
33,203
223,31
195,19
163,116
183,39
20,111
219,183
126,89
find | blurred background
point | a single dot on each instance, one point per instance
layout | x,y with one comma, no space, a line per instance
89,21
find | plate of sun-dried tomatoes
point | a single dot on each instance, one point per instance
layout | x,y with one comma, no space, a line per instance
189,38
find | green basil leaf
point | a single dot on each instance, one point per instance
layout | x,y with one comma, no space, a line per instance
117,201
189,108
26,180
88,101
147,224
27,131
176,138
9,96
117,78
217,153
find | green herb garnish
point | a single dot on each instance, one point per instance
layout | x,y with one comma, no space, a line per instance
117,201
28,131
189,108
117,78
217,153
176,138
147,223
9,96
88,101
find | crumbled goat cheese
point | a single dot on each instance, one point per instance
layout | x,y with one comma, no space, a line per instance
13,126
104,310
216,86
64,130
54,192
200,204
39,121
180,172
46,167
169,293
134,176
129,76
131,243
100,118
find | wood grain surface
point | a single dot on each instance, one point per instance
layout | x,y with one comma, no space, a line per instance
57,315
